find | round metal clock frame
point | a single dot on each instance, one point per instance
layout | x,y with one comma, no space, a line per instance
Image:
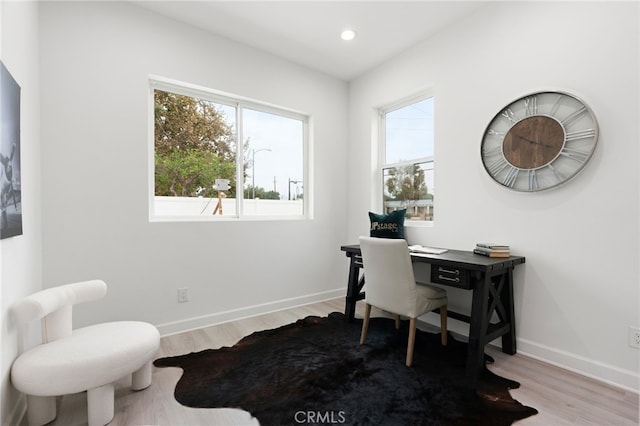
539,141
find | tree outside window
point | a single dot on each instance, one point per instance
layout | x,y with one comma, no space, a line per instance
405,187
194,145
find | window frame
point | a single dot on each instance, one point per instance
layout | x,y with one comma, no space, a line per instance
239,103
382,150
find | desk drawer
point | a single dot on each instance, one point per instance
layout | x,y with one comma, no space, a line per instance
449,276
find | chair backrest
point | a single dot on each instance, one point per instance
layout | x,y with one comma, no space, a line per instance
54,306
389,280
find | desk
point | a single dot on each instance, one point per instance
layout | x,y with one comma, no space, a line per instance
489,278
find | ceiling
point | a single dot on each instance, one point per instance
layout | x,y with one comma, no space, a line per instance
308,32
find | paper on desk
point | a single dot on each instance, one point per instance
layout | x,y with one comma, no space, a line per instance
418,249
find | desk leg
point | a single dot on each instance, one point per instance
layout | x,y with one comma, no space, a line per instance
506,296
479,323
353,289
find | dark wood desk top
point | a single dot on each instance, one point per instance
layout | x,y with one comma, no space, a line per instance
456,258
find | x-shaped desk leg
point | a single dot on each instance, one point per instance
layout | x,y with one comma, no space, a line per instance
492,292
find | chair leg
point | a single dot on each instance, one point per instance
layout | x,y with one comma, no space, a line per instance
100,405
365,323
412,339
40,409
397,322
141,379
443,324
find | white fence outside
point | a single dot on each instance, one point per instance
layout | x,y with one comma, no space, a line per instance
201,206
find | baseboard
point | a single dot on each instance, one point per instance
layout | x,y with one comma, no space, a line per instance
609,374
245,312
614,376
18,412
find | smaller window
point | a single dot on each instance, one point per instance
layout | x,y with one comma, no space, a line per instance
408,155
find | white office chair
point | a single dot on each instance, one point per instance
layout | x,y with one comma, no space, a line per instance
85,359
391,286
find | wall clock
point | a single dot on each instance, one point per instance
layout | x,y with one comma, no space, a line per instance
539,141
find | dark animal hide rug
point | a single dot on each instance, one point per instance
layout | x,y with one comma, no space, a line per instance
315,371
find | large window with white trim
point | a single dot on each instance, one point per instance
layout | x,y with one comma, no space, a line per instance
407,157
218,156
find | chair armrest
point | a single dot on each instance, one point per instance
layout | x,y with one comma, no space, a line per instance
47,301
88,291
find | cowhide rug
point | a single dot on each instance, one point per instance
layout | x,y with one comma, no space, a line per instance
314,371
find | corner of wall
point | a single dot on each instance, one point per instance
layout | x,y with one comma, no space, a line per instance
20,256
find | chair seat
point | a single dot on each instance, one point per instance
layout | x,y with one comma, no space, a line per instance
429,298
91,357
427,290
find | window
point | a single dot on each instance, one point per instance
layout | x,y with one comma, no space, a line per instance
407,158
218,156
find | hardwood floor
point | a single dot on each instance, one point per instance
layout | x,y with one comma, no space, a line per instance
560,396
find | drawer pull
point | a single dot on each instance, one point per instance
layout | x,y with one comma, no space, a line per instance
449,271
455,280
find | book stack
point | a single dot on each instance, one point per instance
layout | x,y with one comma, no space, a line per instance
492,250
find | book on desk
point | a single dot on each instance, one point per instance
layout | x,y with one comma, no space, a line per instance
492,250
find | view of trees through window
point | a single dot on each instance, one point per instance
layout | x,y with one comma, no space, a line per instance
199,150
405,187
407,172
194,145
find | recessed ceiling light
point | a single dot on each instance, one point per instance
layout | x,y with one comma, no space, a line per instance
348,35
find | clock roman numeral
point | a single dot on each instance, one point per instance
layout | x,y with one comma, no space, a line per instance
556,105
533,180
497,166
493,151
580,134
511,177
510,116
531,106
575,154
573,116
496,133
557,174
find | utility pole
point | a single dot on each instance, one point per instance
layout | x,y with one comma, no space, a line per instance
295,182
253,166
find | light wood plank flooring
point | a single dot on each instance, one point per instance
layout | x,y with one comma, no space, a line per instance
561,397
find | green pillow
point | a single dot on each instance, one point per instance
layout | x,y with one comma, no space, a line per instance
387,225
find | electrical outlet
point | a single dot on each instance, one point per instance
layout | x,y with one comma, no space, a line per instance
634,337
183,295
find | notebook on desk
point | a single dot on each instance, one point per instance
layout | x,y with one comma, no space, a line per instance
418,249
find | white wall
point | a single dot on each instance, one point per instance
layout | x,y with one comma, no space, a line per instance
577,294
95,61
20,256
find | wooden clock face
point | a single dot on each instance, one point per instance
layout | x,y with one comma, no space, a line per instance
539,141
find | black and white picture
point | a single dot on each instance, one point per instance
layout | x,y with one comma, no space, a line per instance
10,195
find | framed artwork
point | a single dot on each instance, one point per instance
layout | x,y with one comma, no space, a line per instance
10,192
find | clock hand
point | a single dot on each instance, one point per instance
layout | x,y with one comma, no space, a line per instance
535,142
526,140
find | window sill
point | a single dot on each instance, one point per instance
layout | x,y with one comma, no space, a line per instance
418,224
200,219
